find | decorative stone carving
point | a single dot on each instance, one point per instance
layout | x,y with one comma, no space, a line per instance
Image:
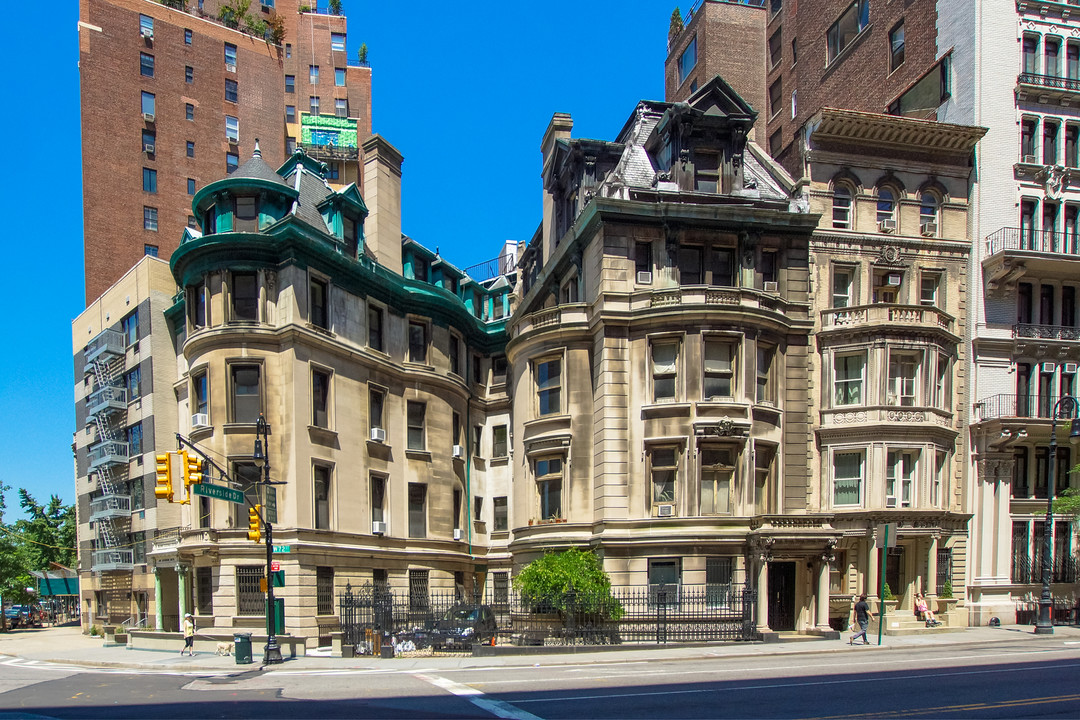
905,416
850,417
829,554
889,255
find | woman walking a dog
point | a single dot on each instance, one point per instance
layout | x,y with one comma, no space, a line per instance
189,635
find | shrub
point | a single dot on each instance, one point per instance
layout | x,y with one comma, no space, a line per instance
886,593
946,591
569,578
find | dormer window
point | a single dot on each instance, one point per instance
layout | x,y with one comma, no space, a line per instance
246,214
420,268
209,224
351,236
706,172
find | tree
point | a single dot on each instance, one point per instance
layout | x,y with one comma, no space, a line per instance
335,7
361,55
1068,502
47,535
676,25
571,577
276,23
233,12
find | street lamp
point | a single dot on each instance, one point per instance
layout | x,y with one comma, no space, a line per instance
1068,404
261,457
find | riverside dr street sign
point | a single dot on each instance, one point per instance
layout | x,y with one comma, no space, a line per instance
218,492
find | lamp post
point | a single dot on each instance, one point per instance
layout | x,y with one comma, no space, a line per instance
1068,404
261,456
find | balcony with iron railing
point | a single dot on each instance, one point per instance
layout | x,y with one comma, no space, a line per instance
1029,331
106,345
116,559
1047,88
490,269
1010,406
1030,241
110,506
109,452
106,401
329,151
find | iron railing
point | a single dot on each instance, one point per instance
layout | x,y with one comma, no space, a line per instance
1064,570
1063,612
106,344
116,559
1015,406
1032,240
1049,81
327,151
1046,332
651,614
110,506
110,452
1023,570
502,265
110,397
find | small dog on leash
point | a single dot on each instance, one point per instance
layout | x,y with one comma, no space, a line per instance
224,648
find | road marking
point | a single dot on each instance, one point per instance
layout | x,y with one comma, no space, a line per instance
498,708
956,708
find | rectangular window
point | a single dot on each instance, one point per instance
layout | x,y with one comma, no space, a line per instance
1072,61
765,390
149,138
717,470
146,64
719,577
903,378
149,180
499,445
250,598
133,383
146,26
549,487
847,478
418,342
1072,155
664,464
665,361
319,298
939,489
943,382
189,74
900,478
290,83
313,105
230,57
842,290
290,113
1052,51
1028,128
690,265
896,46
498,372
375,328
151,250
246,396
232,90
477,440
378,498
133,437
130,327
643,259
664,580
200,391
339,77
454,351
341,107
324,590
688,59
376,401
150,221
417,510
232,161
321,497
776,97
769,266
415,412
337,42
501,519
844,31
419,600
232,128
722,266
848,379
245,297
320,398
313,74
719,369
204,587
549,386
148,104
189,111
1050,143
1030,58
928,289
776,48
187,36
190,149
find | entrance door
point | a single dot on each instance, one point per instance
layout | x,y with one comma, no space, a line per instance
782,596
894,570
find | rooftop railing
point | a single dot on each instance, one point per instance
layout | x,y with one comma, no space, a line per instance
1031,240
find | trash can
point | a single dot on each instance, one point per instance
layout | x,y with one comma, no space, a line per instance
242,648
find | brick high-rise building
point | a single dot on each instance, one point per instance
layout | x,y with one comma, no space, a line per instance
172,97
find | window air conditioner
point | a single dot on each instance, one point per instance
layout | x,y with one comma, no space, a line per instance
148,148
1069,368
893,279
890,502
929,229
1049,367
378,527
229,67
886,226
200,420
459,534
146,33
665,511
644,277
233,140
1028,160
378,435
148,117
459,451
772,286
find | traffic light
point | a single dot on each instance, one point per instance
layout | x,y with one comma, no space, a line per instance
163,469
193,474
254,534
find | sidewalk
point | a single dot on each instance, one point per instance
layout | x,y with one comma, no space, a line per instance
68,645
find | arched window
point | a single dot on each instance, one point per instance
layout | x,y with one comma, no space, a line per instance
928,213
841,207
886,204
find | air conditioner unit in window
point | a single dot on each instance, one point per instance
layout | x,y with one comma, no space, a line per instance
1049,367
378,527
146,33
200,420
378,435
890,502
1069,368
459,451
929,229
1028,159
886,226
229,67
148,148
893,279
148,117
665,510
233,140
459,534
772,286
644,277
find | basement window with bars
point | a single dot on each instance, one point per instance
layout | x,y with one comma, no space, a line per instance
324,590
249,597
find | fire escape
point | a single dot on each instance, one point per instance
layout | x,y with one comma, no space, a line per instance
106,407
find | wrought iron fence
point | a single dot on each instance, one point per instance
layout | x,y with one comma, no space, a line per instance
1063,612
1015,406
1049,81
1028,238
371,615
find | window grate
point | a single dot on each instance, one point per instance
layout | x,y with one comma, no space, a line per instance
324,590
249,597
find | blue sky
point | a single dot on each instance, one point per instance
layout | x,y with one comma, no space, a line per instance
464,90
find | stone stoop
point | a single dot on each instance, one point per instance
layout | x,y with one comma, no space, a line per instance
906,627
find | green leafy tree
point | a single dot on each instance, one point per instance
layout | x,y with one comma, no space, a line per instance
676,25
14,565
233,12
946,591
573,576
1068,502
361,54
886,593
276,23
334,7
48,531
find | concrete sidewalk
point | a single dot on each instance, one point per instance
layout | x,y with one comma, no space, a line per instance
68,645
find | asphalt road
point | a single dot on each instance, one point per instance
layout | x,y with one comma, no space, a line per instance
1039,678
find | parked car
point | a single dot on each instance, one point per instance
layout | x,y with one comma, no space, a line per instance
29,615
12,617
463,625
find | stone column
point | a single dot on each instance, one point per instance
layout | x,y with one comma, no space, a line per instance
763,594
823,594
931,568
159,615
181,590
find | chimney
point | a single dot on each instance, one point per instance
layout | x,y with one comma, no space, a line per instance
382,195
558,129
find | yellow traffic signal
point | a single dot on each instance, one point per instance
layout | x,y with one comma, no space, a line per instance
193,474
254,534
163,469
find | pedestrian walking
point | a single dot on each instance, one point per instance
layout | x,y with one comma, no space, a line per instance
189,635
862,619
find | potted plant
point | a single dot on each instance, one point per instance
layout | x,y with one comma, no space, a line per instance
945,600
